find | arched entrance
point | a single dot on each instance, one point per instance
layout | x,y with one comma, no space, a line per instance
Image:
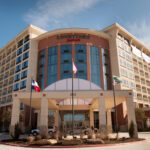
88,96
81,105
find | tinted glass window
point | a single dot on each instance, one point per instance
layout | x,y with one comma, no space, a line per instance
95,65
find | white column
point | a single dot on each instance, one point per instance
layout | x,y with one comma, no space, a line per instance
44,116
131,112
102,113
38,118
109,121
57,118
15,113
91,118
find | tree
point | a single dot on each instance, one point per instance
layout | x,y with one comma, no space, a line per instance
140,118
6,116
131,129
17,132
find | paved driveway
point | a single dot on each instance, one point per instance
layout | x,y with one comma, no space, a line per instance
142,145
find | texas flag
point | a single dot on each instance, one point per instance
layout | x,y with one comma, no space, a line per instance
35,86
74,68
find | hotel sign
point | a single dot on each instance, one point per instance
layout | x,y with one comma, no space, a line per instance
73,37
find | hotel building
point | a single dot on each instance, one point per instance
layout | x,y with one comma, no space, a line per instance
98,55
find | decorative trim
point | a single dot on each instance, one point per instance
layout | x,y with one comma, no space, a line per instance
101,94
44,94
15,95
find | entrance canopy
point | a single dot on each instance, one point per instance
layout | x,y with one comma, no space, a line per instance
59,95
66,85
54,96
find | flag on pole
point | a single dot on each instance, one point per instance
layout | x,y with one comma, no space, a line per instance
35,86
74,68
116,80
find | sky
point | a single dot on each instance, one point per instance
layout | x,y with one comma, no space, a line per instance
16,15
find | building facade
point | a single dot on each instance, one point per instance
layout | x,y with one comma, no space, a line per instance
98,55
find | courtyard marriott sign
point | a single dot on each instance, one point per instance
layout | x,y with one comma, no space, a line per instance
73,37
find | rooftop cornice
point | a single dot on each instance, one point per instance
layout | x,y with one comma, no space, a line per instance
28,28
73,30
127,35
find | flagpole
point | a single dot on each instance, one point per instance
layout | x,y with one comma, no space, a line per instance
30,115
72,103
115,108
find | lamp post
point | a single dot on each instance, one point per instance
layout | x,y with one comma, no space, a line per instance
30,112
72,106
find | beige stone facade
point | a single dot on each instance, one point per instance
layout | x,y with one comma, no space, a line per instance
129,59
133,60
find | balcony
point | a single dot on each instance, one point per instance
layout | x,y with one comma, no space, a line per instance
146,75
135,63
144,90
148,83
7,67
3,62
136,71
13,55
10,81
137,79
145,98
141,73
145,68
138,89
139,97
140,66
148,90
8,58
143,81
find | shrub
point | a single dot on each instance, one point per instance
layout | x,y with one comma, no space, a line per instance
131,129
17,132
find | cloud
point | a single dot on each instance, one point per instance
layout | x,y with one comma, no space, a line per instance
142,31
50,12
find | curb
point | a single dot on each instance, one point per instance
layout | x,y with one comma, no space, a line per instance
77,146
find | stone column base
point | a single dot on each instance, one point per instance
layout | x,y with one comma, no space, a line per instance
103,129
109,129
12,130
44,131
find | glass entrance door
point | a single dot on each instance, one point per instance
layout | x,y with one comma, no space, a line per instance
79,121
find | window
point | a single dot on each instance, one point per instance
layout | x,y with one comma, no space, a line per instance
26,46
20,43
80,61
66,61
17,77
41,66
19,51
18,68
52,64
25,55
95,65
26,38
23,84
66,48
16,87
25,65
18,60
24,74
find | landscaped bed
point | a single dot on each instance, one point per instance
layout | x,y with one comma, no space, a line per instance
91,137
67,142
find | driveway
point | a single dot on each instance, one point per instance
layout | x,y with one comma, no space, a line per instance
142,145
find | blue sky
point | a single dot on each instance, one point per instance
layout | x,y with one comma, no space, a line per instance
15,15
